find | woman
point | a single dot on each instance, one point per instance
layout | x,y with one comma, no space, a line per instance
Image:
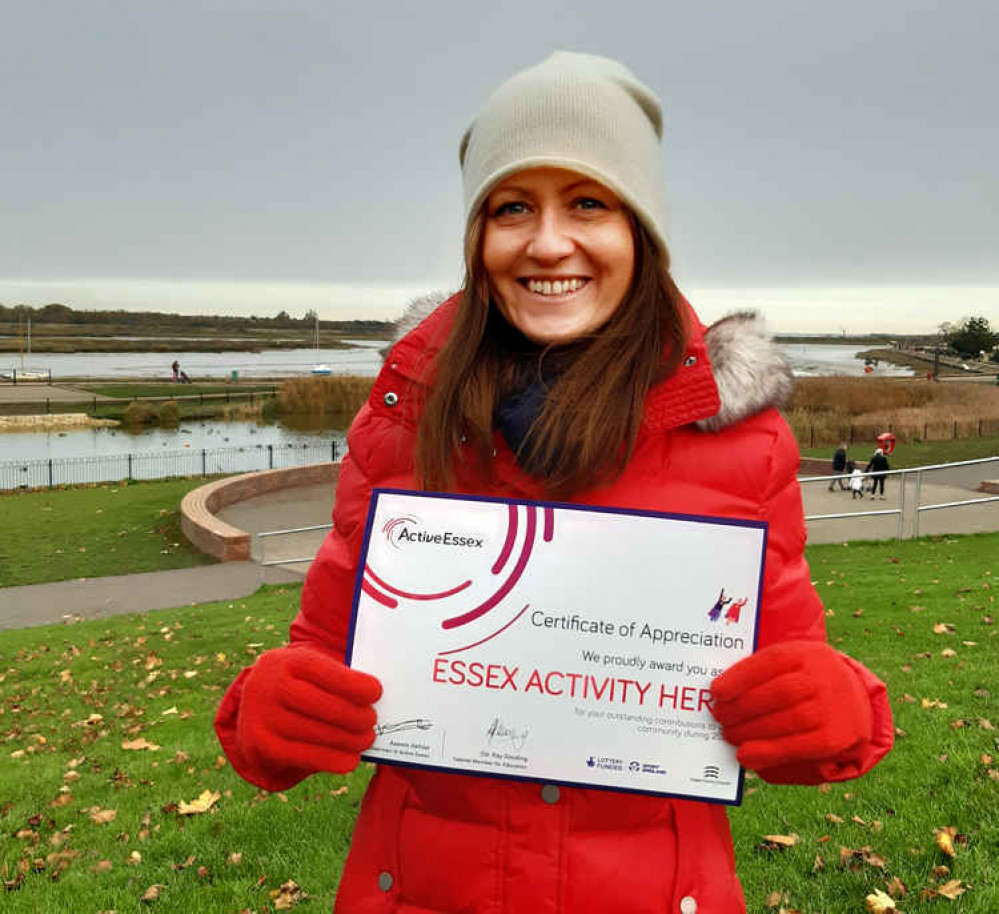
569,366
878,467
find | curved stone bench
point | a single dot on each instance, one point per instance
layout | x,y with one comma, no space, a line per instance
214,536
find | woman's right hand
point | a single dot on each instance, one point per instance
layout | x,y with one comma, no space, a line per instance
303,711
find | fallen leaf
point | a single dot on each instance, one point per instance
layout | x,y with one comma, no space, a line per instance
951,889
943,628
134,858
103,816
781,841
879,903
288,895
152,893
945,840
895,886
205,801
140,743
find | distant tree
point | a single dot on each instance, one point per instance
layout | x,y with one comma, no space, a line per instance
55,314
310,316
971,337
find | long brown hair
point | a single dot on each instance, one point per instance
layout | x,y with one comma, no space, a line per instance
586,430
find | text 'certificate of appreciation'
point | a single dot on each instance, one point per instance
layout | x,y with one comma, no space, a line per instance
565,643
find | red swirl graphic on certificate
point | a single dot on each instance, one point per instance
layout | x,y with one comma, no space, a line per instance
450,547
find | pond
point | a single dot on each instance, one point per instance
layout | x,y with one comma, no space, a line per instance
99,442
34,459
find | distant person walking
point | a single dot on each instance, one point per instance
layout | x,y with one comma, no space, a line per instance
879,468
839,467
176,371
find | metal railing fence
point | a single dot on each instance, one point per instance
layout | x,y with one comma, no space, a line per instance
139,465
908,514
263,539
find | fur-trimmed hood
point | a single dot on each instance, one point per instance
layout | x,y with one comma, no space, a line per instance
749,370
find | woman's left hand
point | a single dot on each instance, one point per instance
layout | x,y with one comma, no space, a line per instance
792,702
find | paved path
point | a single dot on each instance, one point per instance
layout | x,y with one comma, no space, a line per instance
91,598
38,393
312,505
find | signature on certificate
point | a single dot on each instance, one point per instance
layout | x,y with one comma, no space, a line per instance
500,733
414,723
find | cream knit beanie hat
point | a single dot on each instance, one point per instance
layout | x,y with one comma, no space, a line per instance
576,111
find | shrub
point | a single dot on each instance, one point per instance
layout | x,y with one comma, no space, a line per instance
322,395
824,410
138,414
169,414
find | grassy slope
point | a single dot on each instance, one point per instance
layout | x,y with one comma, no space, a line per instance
886,599
934,777
131,670
91,532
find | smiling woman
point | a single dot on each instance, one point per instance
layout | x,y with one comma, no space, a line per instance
568,367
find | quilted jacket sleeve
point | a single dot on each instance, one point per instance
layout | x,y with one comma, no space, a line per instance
792,610
323,620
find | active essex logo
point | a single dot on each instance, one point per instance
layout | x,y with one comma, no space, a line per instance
407,530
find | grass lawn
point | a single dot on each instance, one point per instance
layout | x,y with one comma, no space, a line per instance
112,528
170,390
884,602
89,825
925,453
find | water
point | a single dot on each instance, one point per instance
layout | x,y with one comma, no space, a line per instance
102,442
817,359
806,359
363,359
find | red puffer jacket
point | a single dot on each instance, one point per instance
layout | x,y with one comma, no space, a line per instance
429,842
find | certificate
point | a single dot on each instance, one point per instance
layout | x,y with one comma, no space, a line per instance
558,642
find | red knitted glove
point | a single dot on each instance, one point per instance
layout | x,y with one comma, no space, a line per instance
302,711
793,702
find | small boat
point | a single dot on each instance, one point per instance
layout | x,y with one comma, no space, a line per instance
321,367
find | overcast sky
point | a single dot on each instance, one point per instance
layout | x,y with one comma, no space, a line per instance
832,163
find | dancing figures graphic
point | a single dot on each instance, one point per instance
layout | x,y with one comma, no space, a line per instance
715,612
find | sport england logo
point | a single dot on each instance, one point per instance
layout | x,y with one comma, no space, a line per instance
405,531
